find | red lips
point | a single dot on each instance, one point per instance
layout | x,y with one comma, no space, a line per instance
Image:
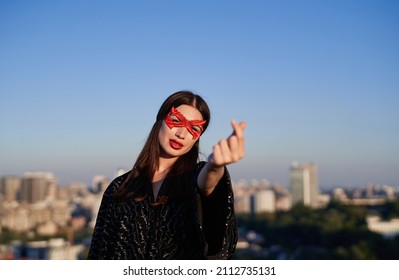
175,144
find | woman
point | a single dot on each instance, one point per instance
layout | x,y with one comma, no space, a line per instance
170,206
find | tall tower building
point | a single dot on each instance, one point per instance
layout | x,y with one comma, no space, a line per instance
36,185
10,187
304,184
264,201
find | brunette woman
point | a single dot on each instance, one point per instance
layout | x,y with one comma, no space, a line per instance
171,205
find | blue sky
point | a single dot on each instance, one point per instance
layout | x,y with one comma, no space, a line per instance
82,81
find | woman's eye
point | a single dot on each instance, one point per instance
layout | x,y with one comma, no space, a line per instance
196,129
175,120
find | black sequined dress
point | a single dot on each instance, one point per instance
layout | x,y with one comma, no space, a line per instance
190,226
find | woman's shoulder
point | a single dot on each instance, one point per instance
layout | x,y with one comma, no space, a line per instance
115,184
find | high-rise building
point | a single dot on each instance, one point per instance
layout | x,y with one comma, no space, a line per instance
304,184
10,187
264,201
35,186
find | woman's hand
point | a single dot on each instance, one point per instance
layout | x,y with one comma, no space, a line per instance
229,150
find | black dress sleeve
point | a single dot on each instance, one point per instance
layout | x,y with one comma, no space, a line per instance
103,235
218,219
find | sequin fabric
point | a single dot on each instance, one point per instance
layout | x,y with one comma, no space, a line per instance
186,227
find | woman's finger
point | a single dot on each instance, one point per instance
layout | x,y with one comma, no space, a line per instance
234,148
224,146
238,128
217,158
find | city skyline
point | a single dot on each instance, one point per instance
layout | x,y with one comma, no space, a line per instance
81,82
91,183
56,223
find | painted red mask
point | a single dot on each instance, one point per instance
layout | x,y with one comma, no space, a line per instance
176,119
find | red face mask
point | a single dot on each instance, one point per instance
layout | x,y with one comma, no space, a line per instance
176,119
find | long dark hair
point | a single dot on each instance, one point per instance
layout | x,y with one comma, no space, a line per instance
147,162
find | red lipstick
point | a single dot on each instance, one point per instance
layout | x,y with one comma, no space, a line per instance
175,144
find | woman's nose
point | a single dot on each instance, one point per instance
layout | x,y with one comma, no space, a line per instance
181,132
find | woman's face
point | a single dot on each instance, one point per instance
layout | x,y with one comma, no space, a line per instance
180,131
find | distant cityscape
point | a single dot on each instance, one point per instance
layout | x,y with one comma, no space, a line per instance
41,220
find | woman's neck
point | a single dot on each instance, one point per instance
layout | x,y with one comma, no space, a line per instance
164,166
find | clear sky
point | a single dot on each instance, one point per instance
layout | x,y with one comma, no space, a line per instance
317,81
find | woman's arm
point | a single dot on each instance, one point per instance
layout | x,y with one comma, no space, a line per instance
227,151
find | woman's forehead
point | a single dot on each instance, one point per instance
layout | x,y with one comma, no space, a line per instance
189,112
